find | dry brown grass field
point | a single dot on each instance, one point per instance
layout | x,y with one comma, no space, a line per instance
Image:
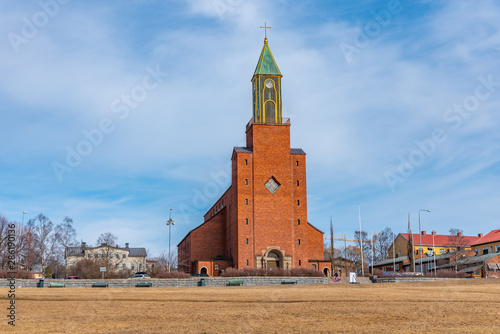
466,306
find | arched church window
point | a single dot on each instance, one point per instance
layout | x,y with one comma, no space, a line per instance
273,255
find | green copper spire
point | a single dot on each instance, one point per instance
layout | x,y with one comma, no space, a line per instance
267,65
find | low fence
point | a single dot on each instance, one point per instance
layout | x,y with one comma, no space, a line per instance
167,282
412,279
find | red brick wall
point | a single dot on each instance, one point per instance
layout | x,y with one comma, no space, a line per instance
252,218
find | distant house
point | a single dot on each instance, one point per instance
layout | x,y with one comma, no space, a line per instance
487,265
402,263
341,266
115,257
431,243
37,271
488,244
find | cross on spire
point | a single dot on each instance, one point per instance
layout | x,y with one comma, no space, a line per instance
265,27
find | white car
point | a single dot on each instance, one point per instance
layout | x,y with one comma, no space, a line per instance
140,276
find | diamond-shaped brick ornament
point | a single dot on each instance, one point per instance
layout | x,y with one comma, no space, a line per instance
272,185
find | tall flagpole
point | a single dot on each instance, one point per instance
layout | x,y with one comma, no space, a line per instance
393,253
360,243
372,250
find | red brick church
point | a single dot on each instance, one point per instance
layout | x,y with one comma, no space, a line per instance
261,220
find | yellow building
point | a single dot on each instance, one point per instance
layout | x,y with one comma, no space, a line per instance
488,244
438,243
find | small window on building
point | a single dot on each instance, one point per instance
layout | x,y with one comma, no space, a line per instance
246,181
103,255
384,269
117,266
246,221
441,251
397,267
110,255
246,201
140,266
299,242
298,221
96,255
247,262
246,162
124,256
297,163
298,202
216,266
132,266
297,183
485,250
89,255
314,266
117,255
498,249
300,263
246,241
124,266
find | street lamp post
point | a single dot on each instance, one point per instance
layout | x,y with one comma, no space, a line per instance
170,222
420,233
434,253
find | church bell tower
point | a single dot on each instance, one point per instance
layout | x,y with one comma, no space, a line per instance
266,86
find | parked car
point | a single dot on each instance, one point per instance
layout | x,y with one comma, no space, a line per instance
140,276
72,277
201,275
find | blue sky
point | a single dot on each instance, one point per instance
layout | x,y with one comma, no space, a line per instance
114,112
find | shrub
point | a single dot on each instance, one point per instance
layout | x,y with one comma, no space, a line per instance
172,274
447,274
26,274
302,272
122,273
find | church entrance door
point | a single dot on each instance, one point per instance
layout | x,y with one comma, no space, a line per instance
273,260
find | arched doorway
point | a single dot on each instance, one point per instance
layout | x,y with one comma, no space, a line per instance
203,270
273,260
326,272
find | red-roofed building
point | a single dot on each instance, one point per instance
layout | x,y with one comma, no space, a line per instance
439,243
488,244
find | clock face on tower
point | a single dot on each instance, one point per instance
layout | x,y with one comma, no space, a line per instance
269,84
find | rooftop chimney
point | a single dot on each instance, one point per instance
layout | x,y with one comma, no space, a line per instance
84,244
117,246
459,234
480,235
424,233
103,244
126,245
433,232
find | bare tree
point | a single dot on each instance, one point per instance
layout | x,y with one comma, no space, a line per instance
366,245
107,238
45,240
382,244
353,254
66,237
458,242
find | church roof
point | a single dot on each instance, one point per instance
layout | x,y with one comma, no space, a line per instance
297,151
243,149
267,65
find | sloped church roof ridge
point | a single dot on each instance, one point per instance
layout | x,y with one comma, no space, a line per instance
267,65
